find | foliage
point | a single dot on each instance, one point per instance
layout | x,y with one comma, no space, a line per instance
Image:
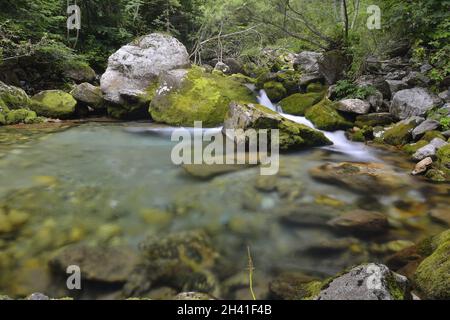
445,123
347,90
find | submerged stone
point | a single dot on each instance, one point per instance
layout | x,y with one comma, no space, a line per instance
361,222
294,286
361,177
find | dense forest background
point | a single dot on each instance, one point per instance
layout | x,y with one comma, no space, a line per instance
214,29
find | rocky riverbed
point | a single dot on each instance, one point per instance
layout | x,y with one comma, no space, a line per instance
358,209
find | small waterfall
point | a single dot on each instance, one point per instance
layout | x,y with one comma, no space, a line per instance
341,144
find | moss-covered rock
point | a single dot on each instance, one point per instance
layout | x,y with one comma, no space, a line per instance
325,117
413,147
12,97
432,277
292,135
315,87
22,116
374,119
290,80
197,97
54,104
298,103
443,162
275,90
361,135
400,133
294,286
430,135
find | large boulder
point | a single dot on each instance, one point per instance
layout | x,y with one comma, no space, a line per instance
413,102
132,73
292,135
367,282
186,96
325,117
307,62
54,104
332,66
426,126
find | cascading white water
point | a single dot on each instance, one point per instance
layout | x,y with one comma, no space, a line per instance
341,144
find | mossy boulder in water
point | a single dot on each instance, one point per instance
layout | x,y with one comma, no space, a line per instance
54,104
299,103
22,116
292,135
432,277
186,96
275,90
325,117
294,286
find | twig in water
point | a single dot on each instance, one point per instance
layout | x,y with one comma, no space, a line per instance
251,268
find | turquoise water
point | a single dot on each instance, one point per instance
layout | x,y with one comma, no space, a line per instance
104,185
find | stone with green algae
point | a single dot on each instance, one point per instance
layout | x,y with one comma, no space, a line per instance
196,96
275,90
299,103
53,104
325,117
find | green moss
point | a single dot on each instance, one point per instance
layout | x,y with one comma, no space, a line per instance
413,147
290,80
53,104
432,277
238,77
325,117
20,116
275,90
298,103
13,97
430,135
399,134
201,97
362,135
2,119
435,175
315,87
397,293
373,120
443,160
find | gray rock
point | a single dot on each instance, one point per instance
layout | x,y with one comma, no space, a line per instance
222,67
425,68
412,102
445,95
134,67
80,74
427,125
193,296
37,296
446,134
429,150
378,83
367,282
88,94
397,85
307,62
396,75
332,65
376,102
308,78
415,78
357,106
